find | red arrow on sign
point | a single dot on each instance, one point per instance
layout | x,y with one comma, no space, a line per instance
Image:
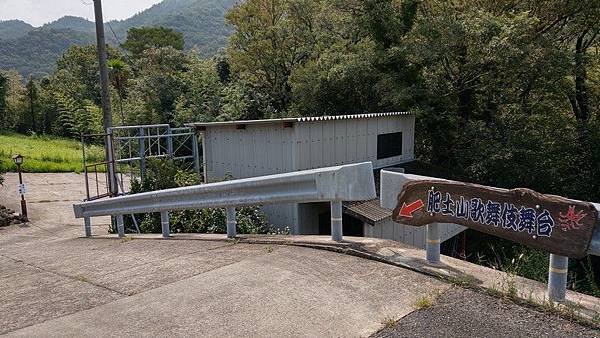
408,210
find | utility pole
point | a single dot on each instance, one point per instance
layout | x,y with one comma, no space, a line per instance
107,116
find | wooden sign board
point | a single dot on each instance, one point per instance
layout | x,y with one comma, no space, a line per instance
551,223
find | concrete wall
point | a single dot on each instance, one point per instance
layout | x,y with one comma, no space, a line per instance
415,236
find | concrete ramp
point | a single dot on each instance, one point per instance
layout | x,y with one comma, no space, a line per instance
275,291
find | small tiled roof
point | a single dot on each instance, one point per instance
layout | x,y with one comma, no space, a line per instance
369,212
296,119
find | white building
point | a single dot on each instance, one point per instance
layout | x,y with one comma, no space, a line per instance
243,149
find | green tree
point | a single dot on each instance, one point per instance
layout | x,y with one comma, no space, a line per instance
157,87
30,106
272,38
143,38
119,74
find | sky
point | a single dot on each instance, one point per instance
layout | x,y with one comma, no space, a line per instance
39,12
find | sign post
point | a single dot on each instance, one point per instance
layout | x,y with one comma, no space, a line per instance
22,189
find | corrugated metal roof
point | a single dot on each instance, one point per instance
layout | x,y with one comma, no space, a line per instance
367,211
296,119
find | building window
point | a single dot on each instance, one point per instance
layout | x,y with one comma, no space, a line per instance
389,145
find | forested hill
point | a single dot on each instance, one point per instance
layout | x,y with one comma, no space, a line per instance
34,51
13,29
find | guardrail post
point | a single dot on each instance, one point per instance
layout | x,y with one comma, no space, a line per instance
336,221
557,278
164,221
87,226
120,226
433,243
231,223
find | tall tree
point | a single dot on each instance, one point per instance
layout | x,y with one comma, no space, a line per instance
119,74
32,103
272,39
143,38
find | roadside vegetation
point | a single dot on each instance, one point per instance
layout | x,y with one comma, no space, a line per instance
165,174
44,154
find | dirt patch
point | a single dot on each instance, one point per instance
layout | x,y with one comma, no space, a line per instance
9,217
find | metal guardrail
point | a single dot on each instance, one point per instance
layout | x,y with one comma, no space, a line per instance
392,184
335,184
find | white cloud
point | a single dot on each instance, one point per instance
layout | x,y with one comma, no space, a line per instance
39,12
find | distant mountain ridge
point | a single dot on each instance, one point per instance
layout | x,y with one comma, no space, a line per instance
13,29
34,51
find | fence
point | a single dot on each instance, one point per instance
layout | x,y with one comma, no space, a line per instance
392,184
335,184
134,145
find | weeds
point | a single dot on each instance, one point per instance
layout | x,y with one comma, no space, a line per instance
388,322
126,239
424,302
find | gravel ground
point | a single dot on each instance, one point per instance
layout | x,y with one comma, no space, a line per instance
465,313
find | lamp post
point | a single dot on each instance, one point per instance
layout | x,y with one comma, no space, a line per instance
19,161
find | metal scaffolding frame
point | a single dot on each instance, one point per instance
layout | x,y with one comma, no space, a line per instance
134,145
131,147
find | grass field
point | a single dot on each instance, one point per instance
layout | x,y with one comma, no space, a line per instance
44,154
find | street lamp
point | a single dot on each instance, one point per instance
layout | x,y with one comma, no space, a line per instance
19,161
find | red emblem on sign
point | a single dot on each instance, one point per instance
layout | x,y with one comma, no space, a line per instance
571,220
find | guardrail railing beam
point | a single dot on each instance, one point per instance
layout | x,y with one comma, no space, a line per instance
352,182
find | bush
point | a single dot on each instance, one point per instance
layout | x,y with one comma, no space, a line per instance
165,174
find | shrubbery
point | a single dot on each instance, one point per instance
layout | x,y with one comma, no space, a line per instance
165,174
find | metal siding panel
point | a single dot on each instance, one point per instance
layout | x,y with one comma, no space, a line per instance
387,231
316,145
269,151
420,235
247,156
288,149
409,234
361,140
328,141
340,142
377,230
372,140
398,231
304,147
278,153
351,141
